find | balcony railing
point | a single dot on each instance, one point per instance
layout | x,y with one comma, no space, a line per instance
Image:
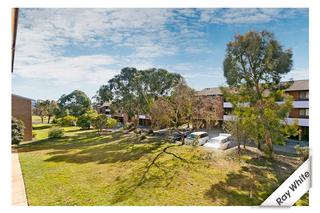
301,121
296,104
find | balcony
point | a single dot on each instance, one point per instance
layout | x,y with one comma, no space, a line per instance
296,104
301,121
228,117
227,105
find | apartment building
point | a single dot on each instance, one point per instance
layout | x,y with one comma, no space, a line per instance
144,120
299,90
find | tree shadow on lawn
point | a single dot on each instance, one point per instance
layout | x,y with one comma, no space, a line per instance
160,177
82,139
120,151
44,126
86,147
252,184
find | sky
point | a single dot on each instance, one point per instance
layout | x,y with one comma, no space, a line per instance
61,50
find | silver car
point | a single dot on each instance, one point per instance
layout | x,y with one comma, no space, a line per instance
198,138
220,142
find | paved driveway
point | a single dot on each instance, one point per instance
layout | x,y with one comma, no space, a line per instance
18,196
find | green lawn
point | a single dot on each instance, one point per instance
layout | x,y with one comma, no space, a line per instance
86,169
37,119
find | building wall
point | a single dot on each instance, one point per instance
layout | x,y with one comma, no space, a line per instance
296,94
21,109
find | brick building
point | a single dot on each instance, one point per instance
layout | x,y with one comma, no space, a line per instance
22,110
300,112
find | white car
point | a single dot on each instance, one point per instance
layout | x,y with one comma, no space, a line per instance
220,142
202,138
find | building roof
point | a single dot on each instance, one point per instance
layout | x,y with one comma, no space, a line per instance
297,85
210,91
19,96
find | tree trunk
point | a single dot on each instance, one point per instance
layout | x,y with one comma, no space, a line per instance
268,141
259,145
238,140
41,119
49,117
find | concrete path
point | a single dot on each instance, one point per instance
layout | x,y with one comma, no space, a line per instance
18,196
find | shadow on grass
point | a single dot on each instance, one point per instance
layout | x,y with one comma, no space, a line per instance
86,147
161,176
252,184
43,126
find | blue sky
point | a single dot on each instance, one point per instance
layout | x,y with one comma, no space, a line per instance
60,50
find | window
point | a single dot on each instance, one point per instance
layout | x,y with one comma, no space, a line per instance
304,95
304,112
204,135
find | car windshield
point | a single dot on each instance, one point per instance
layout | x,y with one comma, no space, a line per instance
191,136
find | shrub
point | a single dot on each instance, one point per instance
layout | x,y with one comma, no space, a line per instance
68,120
17,131
111,123
303,152
56,133
100,122
85,121
55,121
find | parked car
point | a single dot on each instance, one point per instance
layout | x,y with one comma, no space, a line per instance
220,142
177,136
202,138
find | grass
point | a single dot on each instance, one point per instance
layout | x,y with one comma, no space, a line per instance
37,119
84,168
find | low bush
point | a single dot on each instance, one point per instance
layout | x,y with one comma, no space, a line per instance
17,131
303,152
86,120
68,120
111,123
56,133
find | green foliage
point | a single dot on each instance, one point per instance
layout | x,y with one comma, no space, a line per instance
100,122
111,123
56,133
45,108
85,121
17,131
134,91
303,152
253,67
68,120
75,104
255,57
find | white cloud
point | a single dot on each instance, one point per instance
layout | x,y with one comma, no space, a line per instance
297,74
87,69
246,16
45,35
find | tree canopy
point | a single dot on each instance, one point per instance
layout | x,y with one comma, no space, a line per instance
254,65
76,103
134,91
